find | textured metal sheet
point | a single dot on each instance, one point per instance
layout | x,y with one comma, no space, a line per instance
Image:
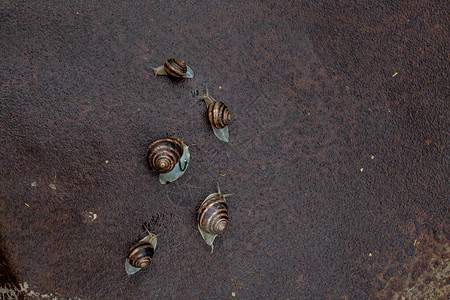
337,158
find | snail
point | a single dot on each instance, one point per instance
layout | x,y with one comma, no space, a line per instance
169,157
212,217
218,115
140,254
174,67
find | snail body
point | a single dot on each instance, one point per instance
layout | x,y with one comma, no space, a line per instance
169,157
218,115
140,254
212,217
175,68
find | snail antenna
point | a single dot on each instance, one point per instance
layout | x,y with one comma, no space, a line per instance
220,192
218,188
146,229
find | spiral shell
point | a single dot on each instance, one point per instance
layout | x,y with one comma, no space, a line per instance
140,254
164,154
213,215
169,157
218,114
175,68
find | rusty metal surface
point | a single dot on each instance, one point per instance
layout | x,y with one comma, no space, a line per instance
338,154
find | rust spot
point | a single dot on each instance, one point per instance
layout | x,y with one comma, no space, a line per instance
422,274
397,285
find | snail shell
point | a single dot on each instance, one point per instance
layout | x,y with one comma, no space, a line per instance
219,116
164,154
212,217
174,67
169,157
140,254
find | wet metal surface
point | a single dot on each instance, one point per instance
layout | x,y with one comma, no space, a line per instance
338,152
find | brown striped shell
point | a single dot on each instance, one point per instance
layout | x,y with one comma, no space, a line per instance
141,254
218,114
213,215
175,67
164,154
